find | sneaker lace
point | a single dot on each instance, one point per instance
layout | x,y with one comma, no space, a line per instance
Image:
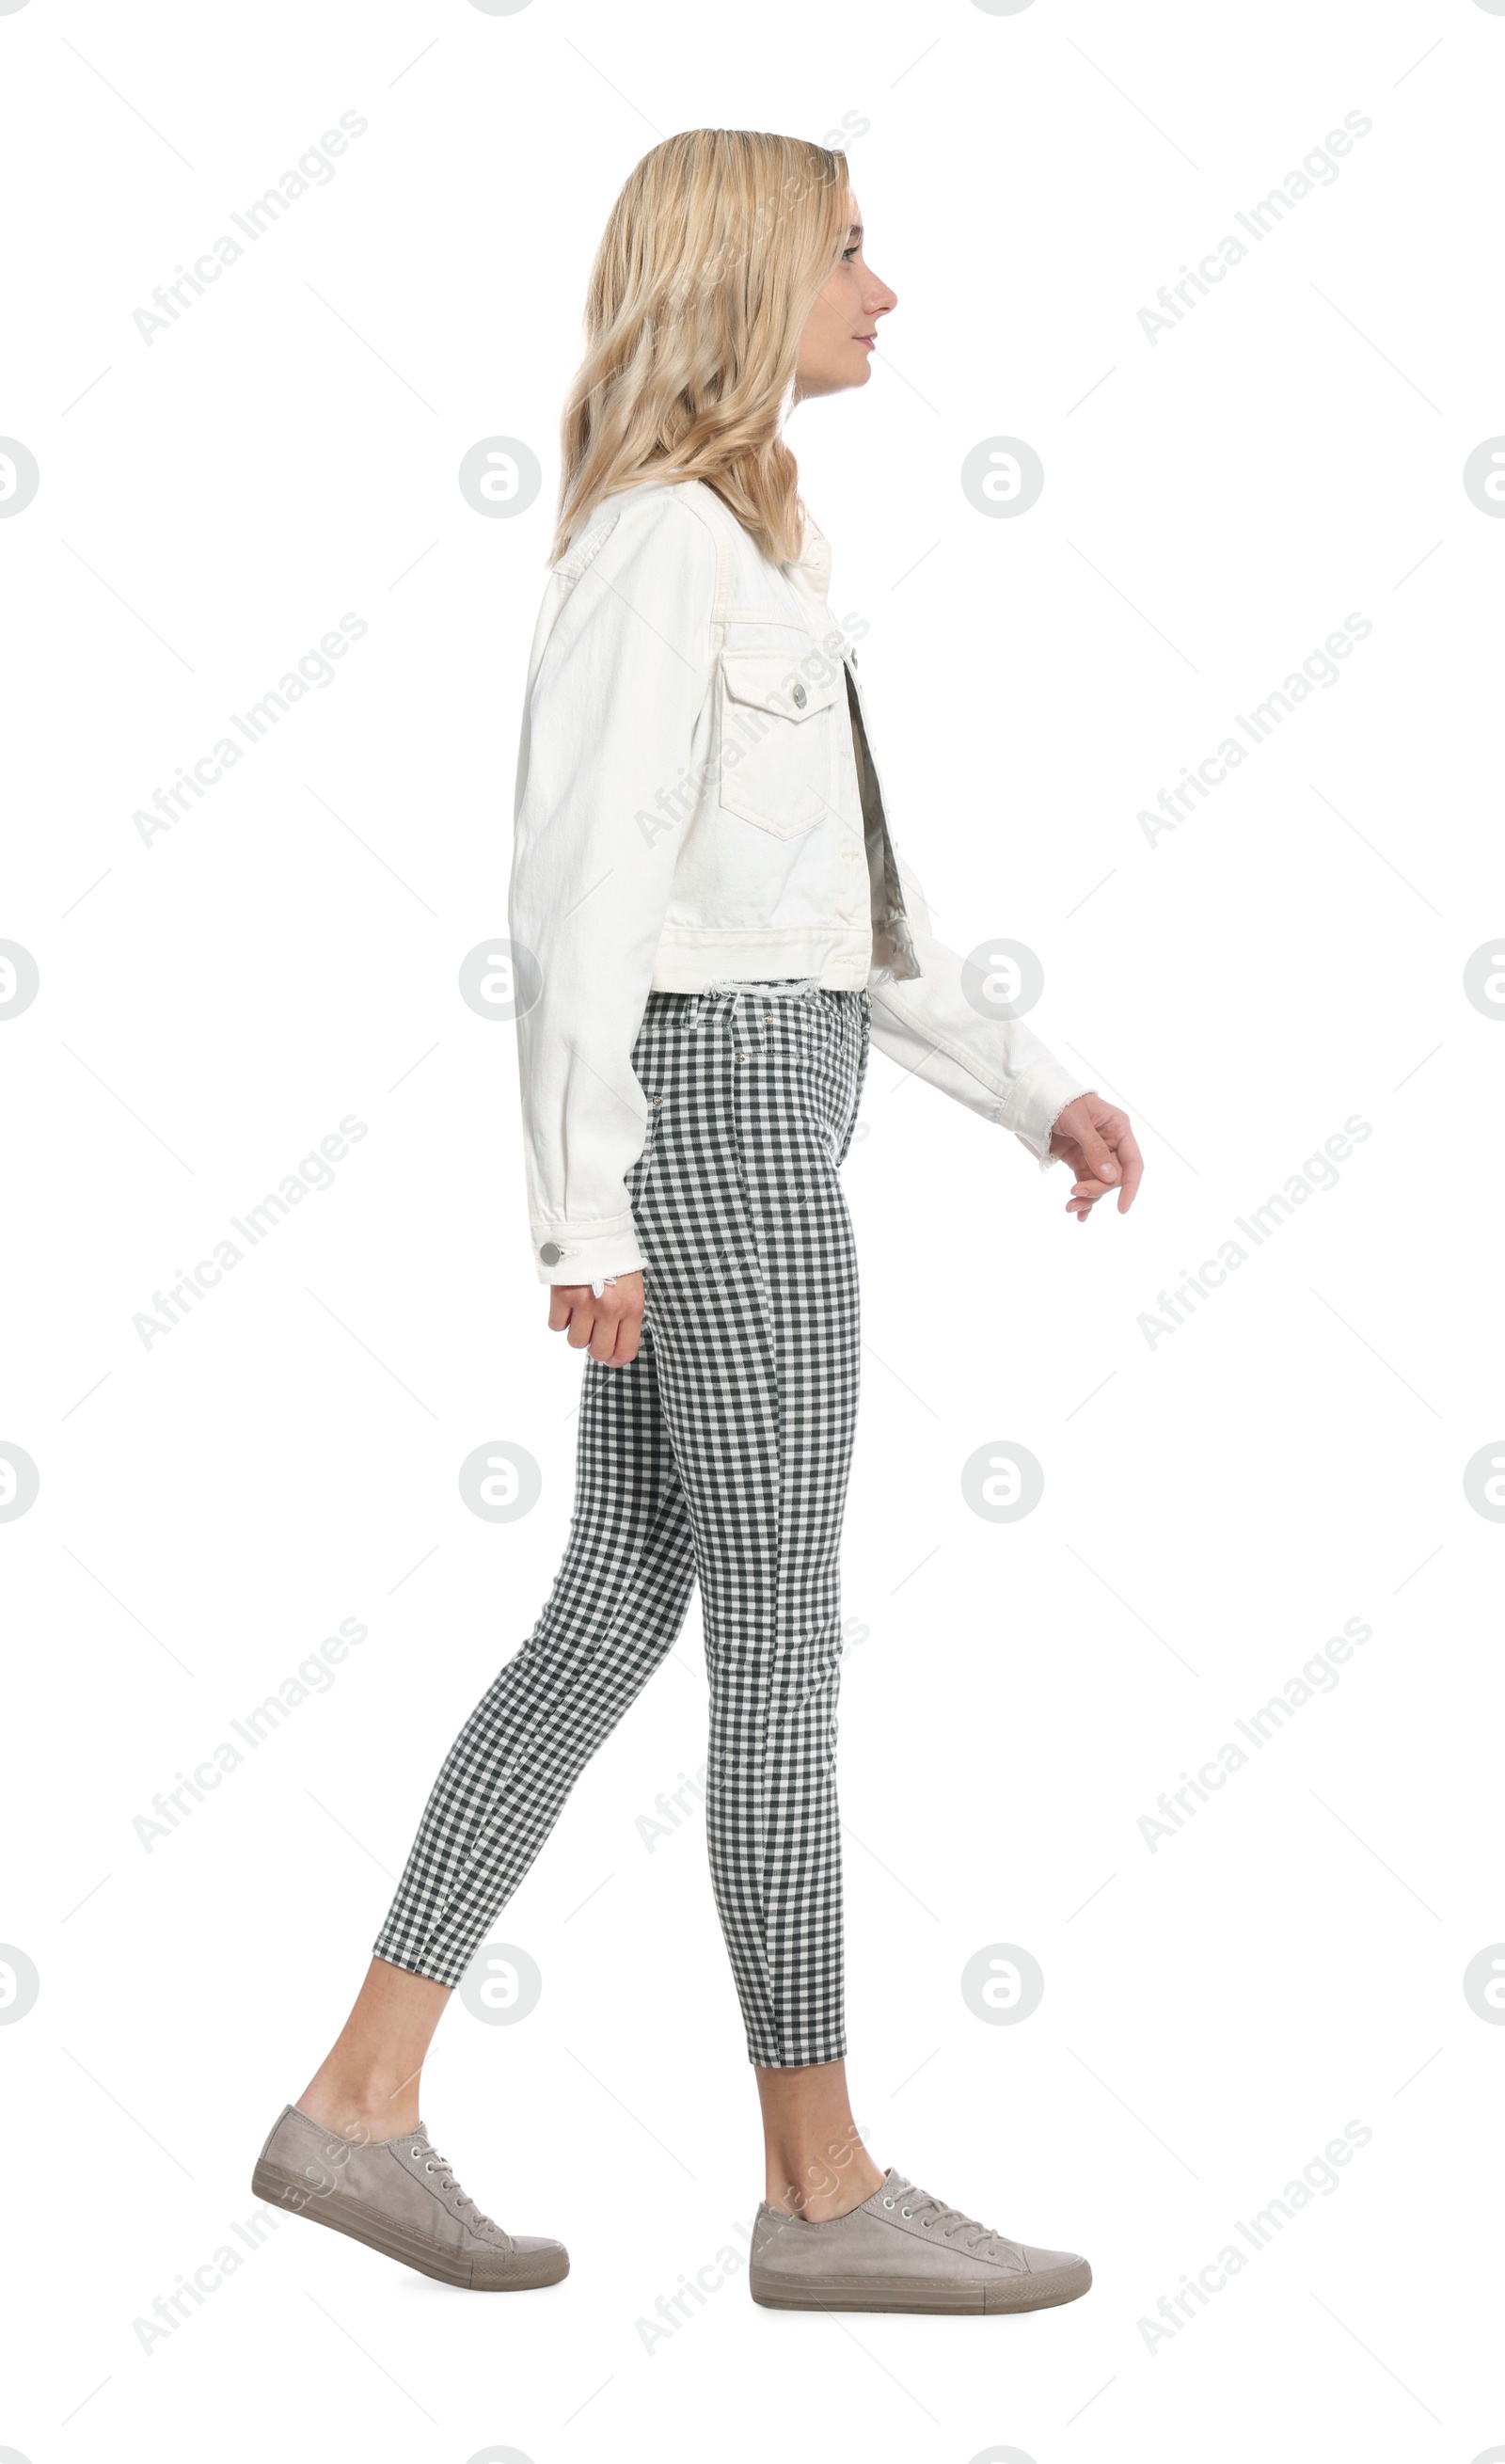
984,2240
445,2179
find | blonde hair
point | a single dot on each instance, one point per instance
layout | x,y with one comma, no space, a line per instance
711,258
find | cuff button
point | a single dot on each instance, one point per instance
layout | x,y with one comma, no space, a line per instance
551,1253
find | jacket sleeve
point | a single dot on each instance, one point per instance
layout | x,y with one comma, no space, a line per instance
619,678
994,1065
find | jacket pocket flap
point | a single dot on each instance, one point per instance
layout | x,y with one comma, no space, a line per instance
771,680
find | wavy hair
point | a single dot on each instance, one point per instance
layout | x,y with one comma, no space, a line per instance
711,258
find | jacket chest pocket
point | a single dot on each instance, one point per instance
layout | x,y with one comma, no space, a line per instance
778,740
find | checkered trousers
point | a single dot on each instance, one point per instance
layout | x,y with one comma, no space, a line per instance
719,1455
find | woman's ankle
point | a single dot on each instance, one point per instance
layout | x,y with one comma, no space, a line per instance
365,2111
818,2188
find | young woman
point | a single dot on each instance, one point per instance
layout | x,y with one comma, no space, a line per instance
710,919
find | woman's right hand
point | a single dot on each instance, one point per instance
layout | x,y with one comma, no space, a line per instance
608,1327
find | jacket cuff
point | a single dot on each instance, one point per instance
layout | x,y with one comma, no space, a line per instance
1035,1102
583,1254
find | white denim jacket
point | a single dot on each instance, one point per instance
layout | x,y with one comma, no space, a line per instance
697,800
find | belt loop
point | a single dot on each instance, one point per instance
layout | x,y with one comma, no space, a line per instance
693,1018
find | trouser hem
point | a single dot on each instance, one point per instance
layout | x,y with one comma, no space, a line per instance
808,2062
413,1966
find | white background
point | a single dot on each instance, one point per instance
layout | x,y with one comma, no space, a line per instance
1215,1505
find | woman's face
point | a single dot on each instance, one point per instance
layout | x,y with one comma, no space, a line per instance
841,331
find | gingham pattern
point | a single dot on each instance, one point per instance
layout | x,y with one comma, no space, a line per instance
721,1453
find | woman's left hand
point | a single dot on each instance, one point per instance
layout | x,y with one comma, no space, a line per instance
1096,1140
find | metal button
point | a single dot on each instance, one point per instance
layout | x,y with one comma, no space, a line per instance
800,696
657,1101
551,1253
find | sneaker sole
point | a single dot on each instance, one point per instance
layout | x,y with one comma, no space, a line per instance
1010,2292
523,2274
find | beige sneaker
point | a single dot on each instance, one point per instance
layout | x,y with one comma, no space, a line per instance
399,2196
902,2250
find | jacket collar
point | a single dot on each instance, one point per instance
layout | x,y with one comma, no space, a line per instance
815,557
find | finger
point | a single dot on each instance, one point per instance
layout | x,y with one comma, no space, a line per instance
1133,1163
616,1327
1098,1158
561,1300
606,1337
582,1322
616,1311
